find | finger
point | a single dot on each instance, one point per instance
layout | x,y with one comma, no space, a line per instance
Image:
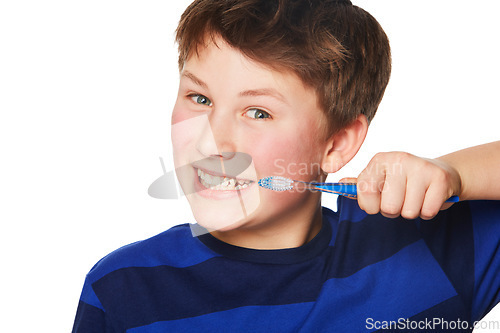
393,196
369,187
414,199
348,180
434,199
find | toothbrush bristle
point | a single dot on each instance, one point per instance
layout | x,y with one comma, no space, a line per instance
276,183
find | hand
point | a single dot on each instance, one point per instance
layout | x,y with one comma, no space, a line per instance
399,183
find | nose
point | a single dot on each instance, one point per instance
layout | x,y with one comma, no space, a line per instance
217,137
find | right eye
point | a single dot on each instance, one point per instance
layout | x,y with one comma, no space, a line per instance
200,99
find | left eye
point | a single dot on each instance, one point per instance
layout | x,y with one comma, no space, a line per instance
200,99
257,114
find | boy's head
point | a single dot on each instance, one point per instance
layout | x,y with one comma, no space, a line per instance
336,48
289,84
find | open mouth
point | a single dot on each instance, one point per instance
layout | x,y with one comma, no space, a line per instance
222,183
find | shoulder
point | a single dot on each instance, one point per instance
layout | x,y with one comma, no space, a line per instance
485,209
478,211
476,217
463,226
176,247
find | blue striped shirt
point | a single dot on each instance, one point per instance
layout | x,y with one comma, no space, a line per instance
359,273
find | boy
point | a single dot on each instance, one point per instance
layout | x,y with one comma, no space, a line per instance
291,83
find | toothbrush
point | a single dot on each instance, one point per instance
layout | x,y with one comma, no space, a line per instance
278,183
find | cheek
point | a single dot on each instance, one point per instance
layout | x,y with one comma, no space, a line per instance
185,130
295,155
180,113
178,134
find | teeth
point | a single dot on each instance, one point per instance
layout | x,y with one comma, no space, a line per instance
221,183
238,187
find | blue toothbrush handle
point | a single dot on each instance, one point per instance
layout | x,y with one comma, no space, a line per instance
350,190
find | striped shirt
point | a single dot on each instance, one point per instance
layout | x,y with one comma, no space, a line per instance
360,273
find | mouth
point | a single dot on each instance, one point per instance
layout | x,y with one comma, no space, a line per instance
221,183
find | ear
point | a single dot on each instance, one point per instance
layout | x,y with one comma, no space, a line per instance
344,144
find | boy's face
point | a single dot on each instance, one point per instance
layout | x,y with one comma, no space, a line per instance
235,117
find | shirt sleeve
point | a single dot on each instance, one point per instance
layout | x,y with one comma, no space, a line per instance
486,227
465,241
90,315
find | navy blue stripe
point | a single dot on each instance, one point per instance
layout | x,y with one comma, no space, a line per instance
90,319
371,240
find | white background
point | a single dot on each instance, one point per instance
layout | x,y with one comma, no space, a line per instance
86,90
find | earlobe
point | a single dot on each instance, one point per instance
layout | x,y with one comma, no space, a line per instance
344,144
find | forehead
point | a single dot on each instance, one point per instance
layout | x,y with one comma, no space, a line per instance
217,58
218,55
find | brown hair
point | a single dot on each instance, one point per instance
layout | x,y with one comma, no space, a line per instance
338,49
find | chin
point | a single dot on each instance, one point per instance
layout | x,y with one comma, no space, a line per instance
224,214
216,221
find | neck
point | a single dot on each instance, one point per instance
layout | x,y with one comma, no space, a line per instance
289,231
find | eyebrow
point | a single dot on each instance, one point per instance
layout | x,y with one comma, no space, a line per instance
251,93
264,92
195,80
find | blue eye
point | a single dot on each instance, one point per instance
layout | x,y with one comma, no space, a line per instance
200,99
257,114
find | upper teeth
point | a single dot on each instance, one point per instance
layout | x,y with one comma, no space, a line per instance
221,183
